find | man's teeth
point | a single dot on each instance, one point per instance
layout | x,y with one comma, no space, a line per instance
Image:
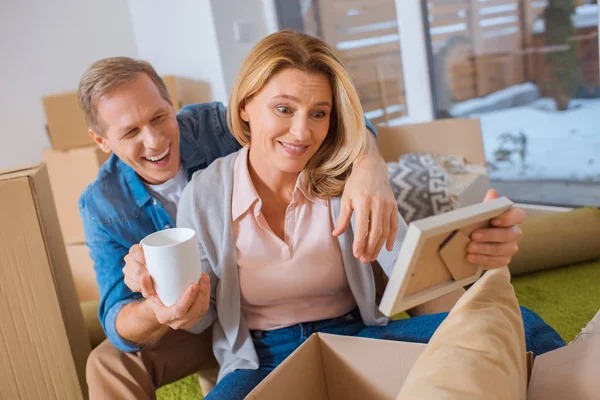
160,156
295,148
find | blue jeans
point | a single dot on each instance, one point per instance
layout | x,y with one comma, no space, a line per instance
275,346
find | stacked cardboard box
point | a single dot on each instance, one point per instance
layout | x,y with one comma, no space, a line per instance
44,343
73,163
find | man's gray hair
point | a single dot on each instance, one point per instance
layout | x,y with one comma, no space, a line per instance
106,75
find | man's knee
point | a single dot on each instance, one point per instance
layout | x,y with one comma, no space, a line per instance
101,359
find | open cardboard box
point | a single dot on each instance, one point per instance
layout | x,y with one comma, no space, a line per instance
445,137
333,367
341,367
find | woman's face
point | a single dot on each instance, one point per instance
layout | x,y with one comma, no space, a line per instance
289,119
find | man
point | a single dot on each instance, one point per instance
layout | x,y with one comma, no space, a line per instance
155,152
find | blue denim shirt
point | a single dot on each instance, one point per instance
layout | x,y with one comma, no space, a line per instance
118,211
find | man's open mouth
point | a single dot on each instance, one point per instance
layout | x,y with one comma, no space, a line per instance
160,157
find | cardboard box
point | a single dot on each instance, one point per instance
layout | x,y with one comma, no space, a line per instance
344,367
172,84
450,137
82,268
70,172
341,367
445,137
570,372
44,342
334,367
66,124
468,188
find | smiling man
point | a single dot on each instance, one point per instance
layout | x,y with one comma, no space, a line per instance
155,152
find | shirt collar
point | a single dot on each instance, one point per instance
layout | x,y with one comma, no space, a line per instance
138,190
244,193
302,185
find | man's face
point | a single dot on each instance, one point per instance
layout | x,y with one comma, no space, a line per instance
141,129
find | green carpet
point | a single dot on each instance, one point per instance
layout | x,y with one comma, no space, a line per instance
187,388
566,298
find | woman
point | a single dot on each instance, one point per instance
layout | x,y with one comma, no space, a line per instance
298,116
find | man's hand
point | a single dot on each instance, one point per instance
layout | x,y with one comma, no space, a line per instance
494,247
187,311
135,272
368,193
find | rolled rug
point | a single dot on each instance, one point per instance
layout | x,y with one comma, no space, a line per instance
558,239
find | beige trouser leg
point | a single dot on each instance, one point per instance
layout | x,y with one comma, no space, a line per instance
113,374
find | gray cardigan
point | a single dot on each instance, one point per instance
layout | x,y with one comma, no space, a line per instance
205,206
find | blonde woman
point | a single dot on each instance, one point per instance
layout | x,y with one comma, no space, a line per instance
264,218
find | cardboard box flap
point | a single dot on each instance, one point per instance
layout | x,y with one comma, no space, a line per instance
19,172
457,137
366,368
298,377
569,372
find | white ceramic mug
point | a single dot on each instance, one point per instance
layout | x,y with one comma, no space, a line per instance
173,261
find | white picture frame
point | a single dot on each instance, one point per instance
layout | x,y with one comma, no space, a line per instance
432,261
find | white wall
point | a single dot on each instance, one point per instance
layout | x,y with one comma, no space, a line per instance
180,38
45,48
259,13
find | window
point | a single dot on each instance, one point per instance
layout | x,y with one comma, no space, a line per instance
365,35
529,70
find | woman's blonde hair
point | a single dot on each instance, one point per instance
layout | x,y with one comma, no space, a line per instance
327,170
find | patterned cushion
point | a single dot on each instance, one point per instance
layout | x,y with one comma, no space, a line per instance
420,184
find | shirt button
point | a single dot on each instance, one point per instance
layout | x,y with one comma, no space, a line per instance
154,202
167,226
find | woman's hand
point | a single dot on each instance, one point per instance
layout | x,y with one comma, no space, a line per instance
494,247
